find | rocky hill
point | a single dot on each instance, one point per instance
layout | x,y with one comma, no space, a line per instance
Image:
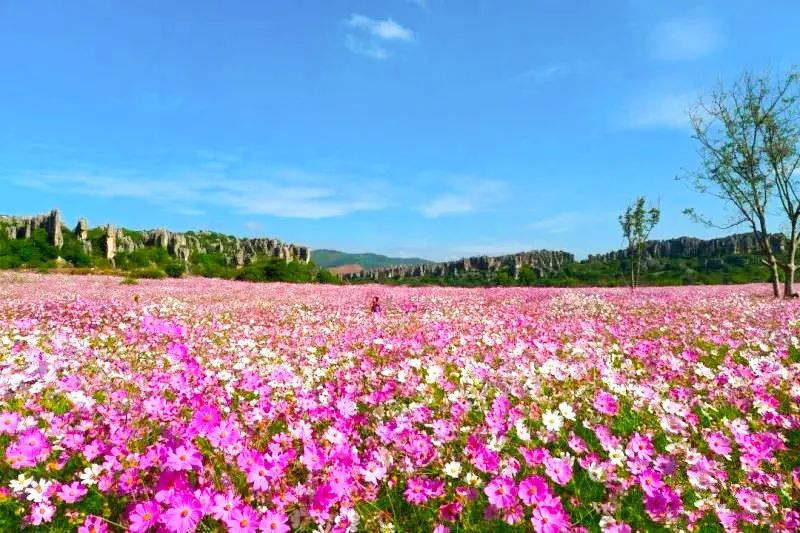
335,258
542,262
691,247
111,241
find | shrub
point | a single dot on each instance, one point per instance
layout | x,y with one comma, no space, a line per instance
149,273
175,269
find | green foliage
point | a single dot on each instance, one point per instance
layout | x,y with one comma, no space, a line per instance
174,269
325,276
211,265
733,269
148,273
274,269
34,252
637,222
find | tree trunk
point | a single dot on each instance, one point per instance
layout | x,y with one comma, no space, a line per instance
770,261
790,267
776,291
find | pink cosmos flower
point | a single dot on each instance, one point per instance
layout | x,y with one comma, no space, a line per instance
258,476
606,403
416,490
718,443
441,528
639,447
184,513
93,524
533,490
486,460
559,470
42,513
72,492
170,483
313,457
449,512
243,519
501,491
224,504
323,498
274,522
340,481
663,503
549,519
144,516
650,481
184,458
9,422
374,472
205,420
535,456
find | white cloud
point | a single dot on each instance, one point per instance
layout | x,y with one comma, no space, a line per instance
370,37
660,111
559,223
302,195
387,29
468,195
686,39
366,48
541,74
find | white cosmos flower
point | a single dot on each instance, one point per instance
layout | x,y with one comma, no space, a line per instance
90,474
472,479
452,469
20,484
37,489
522,431
433,374
616,456
552,421
566,410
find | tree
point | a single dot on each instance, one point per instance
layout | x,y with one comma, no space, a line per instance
731,128
637,222
782,151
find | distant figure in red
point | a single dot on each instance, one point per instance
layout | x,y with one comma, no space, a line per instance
375,306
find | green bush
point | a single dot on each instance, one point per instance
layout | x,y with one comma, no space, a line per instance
174,269
148,273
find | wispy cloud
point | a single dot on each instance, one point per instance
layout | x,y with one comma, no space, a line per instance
306,197
371,37
559,223
421,3
669,110
543,73
467,195
686,39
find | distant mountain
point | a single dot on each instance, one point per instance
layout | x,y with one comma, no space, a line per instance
335,258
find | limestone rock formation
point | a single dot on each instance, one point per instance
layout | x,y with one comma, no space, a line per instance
82,229
740,243
110,242
24,226
542,262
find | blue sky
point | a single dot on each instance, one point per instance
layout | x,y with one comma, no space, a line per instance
437,128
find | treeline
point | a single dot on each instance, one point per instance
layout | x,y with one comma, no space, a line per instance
733,269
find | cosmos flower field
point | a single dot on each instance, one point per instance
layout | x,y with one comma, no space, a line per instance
208,405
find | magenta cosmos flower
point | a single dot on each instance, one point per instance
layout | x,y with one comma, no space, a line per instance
274,522
184,514
501,491
144,516
606,403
